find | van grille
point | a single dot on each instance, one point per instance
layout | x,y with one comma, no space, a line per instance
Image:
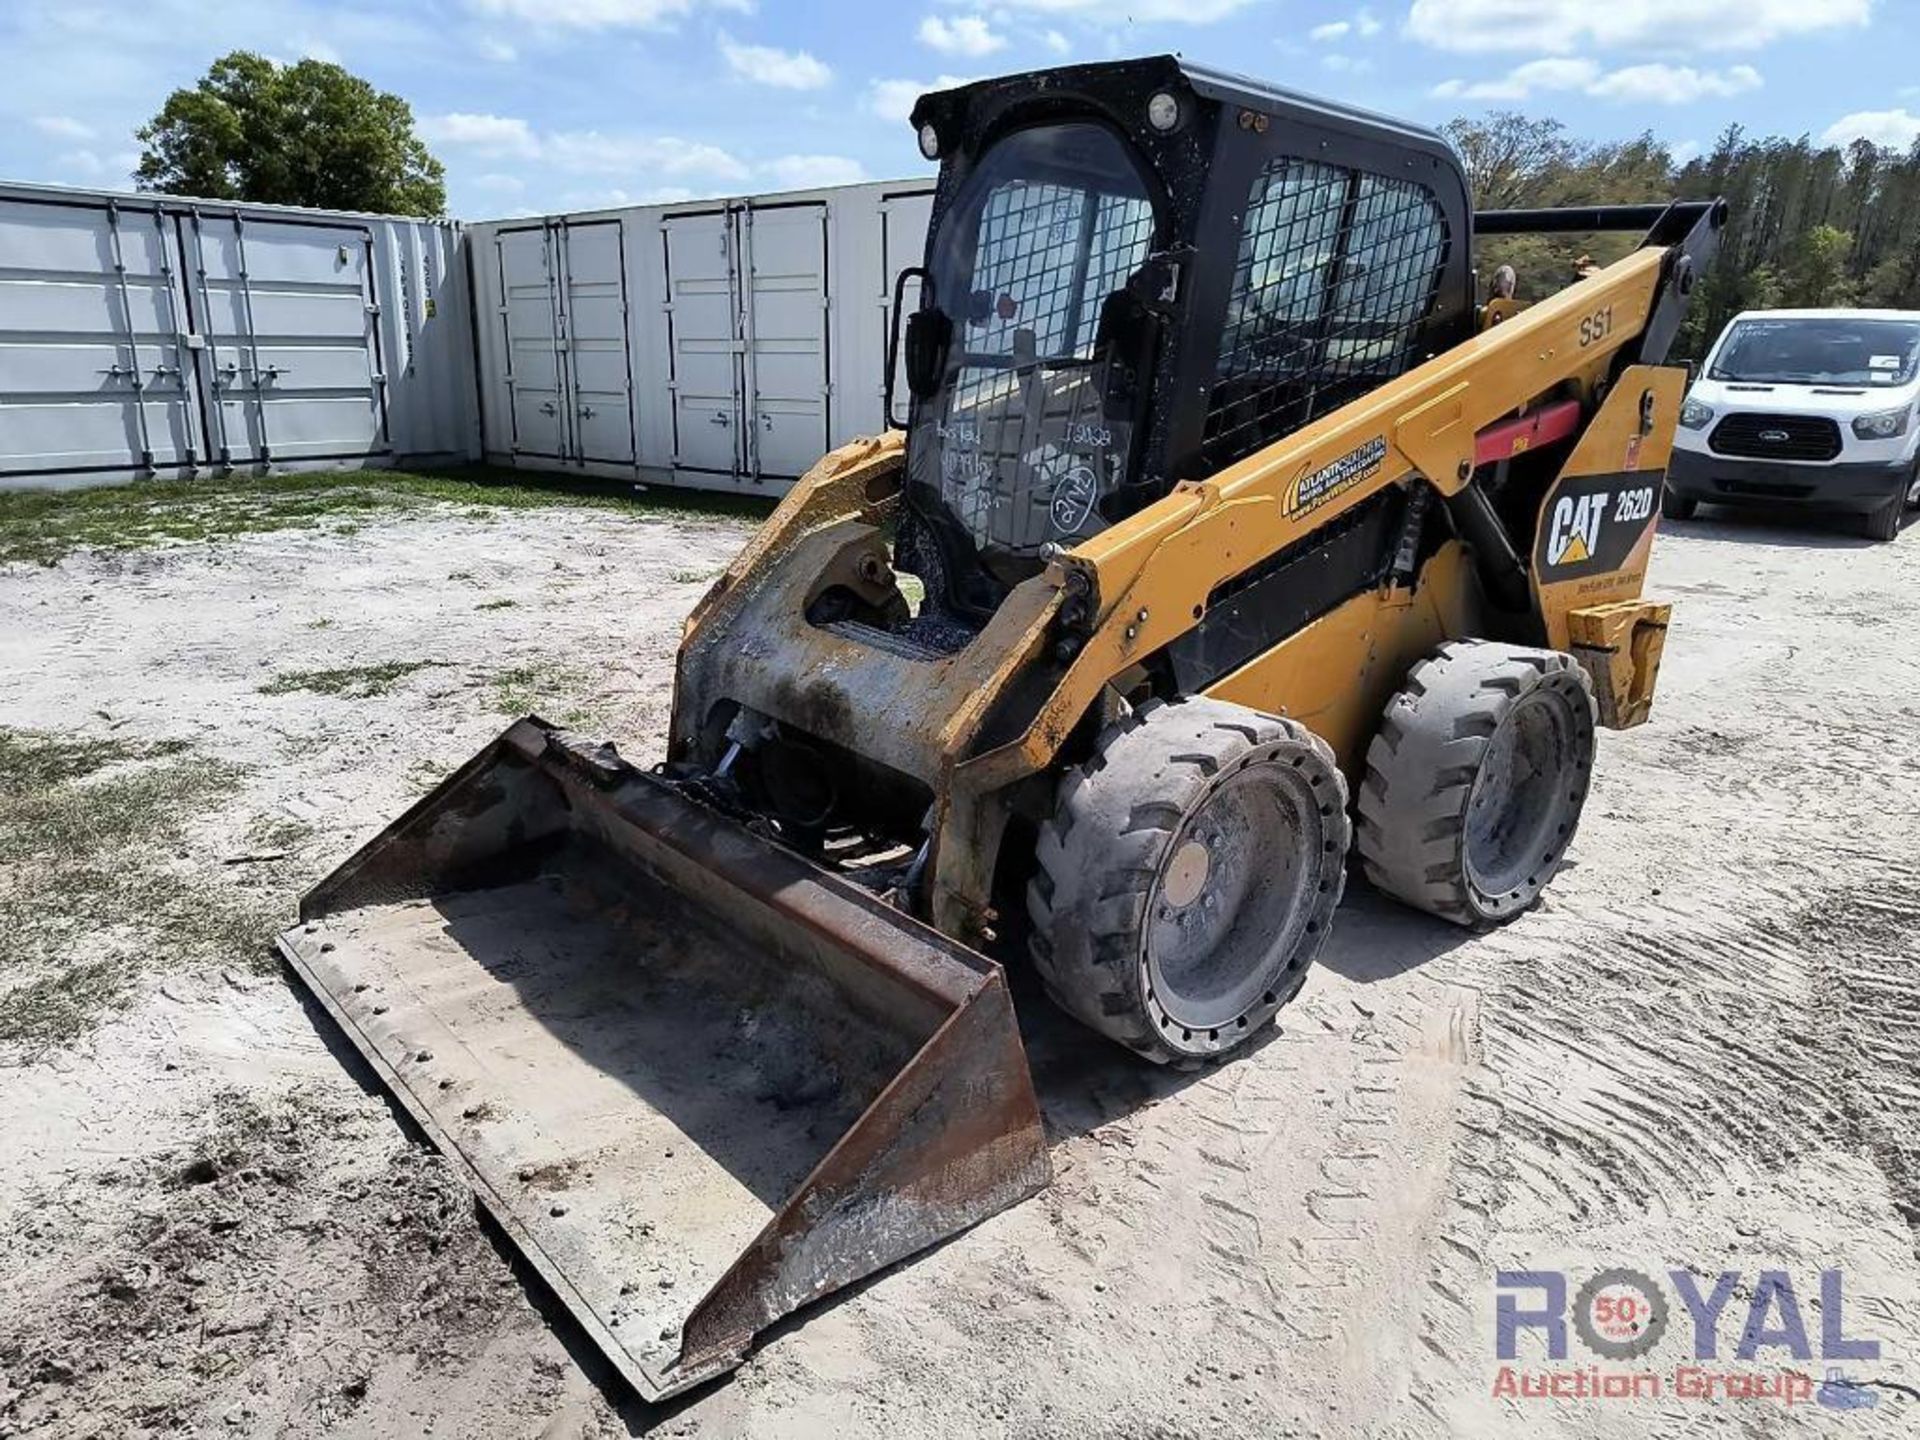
1777,437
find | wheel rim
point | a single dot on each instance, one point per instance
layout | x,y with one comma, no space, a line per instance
1232,899
1524,798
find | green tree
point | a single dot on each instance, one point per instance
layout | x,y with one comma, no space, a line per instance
1817,269
303,134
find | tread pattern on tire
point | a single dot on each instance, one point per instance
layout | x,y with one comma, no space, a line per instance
1884,523
1099,855
1677,507
1423,761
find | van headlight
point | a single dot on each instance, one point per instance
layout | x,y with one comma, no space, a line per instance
1883,424
1694,415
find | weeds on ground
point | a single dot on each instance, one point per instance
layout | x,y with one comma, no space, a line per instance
277,832
503,603
41,527
555,692
91,890
352,682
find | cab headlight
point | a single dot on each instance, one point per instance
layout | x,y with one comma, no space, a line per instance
1882,425
1694,415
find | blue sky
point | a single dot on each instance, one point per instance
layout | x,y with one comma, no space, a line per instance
562,104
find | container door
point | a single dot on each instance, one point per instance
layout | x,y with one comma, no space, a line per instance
92,342
290,351
903,242
599,370
530,322
704,352
785,334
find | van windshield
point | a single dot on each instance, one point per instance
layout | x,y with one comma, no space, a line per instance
1825,351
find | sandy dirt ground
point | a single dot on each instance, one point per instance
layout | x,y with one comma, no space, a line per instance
1701,1053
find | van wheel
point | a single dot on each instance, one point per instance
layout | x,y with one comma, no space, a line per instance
1188,876
1677,507
1476,779
1884,523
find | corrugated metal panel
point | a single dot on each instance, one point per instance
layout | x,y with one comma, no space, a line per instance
750,333
721,345
142,336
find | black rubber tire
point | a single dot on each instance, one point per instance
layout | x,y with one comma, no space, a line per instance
1435,757
1106,879
1884,523
1677,507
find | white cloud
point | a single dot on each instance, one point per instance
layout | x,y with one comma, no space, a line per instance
1342,64
580,152
506,184
1107,14
967,35
893,99
1640,84
603,14
1686,152
1895,129
81,162
782,69
1674,84
498,51
1562,26
811,172
483,134
1365,24
63,127
1332,30
1056,42
89,164
313,48
1523,80
590,152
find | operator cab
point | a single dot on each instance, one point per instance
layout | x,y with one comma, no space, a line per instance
1137,273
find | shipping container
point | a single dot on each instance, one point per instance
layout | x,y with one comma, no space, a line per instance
721,345
146,336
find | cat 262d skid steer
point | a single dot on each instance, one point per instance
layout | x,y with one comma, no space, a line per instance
1230,539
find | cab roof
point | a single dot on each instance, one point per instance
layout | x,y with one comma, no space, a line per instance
1150,73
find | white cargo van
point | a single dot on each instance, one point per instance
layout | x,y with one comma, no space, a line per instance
1805,407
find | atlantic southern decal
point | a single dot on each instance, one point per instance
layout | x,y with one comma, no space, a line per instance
1592,522
1319,486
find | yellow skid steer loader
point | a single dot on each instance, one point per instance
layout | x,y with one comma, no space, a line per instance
1227,541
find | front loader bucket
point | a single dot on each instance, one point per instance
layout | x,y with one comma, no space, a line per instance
699,1081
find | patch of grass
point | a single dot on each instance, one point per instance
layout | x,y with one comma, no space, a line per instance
691,577
91,887
31,763
503,603
42,527
353,682
551,691
277,832
423,774
52,1008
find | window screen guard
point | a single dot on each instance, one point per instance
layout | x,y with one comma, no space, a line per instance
1336,269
